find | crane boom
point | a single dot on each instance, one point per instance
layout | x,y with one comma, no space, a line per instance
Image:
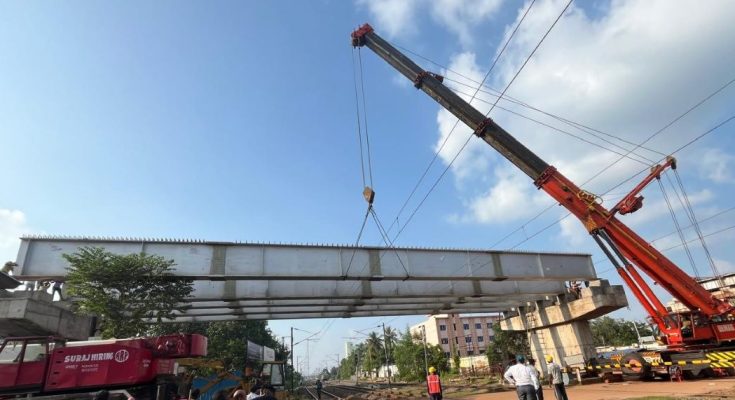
621,244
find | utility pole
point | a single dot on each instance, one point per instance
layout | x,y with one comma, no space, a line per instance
426,357
293,367
635,326
307,354
357,369
387,360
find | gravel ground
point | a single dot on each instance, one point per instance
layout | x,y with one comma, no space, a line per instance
719,388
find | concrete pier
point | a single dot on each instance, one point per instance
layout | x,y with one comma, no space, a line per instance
560,327
35,314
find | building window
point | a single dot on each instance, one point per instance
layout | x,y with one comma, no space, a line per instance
478,326
442,327
466,326
446,354
482,351
480,339
489,325
454,326
445,341
468,339
456,340
470,353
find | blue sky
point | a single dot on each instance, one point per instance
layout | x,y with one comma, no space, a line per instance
236,121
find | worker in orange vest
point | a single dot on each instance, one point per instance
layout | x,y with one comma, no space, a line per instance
434,384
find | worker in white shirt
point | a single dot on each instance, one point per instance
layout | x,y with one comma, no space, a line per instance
556,379
523,378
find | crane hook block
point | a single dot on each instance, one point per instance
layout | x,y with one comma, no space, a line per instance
369,194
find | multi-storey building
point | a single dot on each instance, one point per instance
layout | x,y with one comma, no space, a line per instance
722,287
469,335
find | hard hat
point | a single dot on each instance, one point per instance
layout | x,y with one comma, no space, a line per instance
432,370
549,358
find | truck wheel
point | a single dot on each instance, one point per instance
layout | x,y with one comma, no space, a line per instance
633,364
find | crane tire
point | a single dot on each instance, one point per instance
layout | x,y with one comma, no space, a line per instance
634,365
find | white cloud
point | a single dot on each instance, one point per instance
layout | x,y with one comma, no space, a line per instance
574,232
716,165
400,18
13,224
510,198
393,17
626,73
460,16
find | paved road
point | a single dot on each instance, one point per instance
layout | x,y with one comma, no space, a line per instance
629,390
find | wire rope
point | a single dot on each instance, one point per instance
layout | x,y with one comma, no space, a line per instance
451,131
678,229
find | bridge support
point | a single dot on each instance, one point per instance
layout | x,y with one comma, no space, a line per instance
35,314
560,327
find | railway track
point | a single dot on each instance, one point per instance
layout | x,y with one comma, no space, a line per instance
337,392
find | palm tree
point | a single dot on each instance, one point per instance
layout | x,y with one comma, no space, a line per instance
391,337
373,353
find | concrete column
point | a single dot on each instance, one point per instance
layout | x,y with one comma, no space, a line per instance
560,328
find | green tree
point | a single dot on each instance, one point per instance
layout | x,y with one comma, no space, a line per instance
608,331
506,345
124,290
374,356
409,358
227,340
455,359
391,336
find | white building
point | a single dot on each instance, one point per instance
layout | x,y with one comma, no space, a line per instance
349,348
722,288
468,334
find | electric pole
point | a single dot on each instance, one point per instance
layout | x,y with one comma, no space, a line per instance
387,360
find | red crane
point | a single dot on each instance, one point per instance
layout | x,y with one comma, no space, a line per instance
710,322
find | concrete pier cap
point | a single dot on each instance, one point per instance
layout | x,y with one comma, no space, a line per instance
559,327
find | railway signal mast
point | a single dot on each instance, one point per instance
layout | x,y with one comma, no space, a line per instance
709,324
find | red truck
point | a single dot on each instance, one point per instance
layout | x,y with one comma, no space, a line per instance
53,369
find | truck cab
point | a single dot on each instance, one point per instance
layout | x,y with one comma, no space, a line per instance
23,362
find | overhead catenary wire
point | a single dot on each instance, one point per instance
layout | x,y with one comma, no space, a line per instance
689,210
673,121
717,232
456,123
446,169
678,229
666,126
646,161
436,154
727,210
494,92
682,147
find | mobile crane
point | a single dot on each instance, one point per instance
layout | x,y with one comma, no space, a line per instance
711,322
50,368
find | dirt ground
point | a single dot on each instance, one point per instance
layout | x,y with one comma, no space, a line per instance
721,388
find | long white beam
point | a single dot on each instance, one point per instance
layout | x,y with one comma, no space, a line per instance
353,314
267,281
40,257
244,304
